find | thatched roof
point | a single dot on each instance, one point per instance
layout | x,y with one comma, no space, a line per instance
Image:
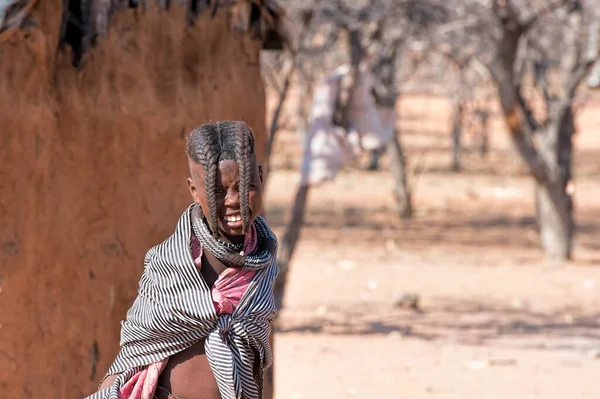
13,14
87,21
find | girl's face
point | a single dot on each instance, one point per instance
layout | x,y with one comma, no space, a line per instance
227,194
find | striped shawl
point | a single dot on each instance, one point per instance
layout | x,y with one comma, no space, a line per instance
174,310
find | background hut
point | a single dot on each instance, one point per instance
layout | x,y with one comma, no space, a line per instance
96,99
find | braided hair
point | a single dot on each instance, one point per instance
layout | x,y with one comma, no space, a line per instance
212,143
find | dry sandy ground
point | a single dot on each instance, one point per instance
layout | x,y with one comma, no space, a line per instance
495,320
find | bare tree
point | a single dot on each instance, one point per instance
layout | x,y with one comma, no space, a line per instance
545,145
550,59
333,33
386,70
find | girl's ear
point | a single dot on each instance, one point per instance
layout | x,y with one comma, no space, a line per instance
193,190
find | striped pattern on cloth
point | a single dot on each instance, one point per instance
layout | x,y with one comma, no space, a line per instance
174,310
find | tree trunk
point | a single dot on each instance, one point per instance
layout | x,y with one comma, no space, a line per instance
275,122
549,162
385,96
374,159
456,137
555,221
456,148
554,202
484,143
398,166
484,146
288,244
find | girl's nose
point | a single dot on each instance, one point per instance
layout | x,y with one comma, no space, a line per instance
232,199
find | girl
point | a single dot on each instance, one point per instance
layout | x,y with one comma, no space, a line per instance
199,327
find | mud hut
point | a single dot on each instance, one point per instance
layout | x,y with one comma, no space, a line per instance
96,97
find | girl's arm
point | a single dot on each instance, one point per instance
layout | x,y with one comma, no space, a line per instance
108,381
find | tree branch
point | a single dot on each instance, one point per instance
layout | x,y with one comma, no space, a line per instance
528,22
277,113
580,72
581,69
458,25
332,37
512,102
524,143
530,118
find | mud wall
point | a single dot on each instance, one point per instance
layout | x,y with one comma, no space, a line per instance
92,173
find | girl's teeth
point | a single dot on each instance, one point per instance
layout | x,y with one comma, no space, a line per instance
233,218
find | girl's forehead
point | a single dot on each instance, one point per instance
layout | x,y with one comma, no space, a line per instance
229,169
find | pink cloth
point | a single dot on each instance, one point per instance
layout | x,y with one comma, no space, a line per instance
227,292
232,283
144,383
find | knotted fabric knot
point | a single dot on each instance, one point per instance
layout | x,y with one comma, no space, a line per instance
224,326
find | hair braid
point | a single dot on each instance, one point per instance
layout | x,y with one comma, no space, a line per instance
210,180
242,156
245,177
228,140
204,149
